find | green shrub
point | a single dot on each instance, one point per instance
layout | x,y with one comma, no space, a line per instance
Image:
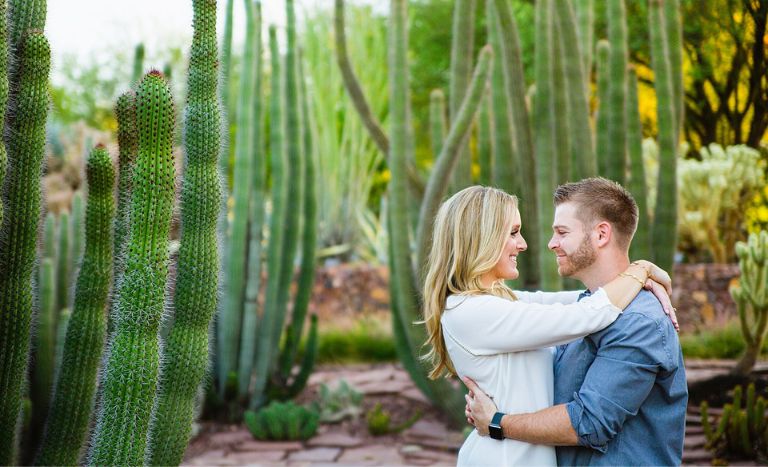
369,341
380,421
337,404
725,342
282,421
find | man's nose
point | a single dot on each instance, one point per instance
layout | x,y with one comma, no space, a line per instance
552,243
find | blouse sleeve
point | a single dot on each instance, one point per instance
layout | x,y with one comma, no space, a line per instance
488,325
548,298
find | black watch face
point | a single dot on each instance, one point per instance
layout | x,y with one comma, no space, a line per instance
495,431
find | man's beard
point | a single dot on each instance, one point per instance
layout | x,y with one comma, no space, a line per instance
582,258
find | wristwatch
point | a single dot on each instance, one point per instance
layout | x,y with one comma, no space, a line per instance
494,428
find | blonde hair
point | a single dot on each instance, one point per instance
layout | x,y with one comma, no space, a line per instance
469,233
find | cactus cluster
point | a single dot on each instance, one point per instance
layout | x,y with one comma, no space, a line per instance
741,432
337,404
282,421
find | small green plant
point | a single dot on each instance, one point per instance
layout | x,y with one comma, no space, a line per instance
721,342
380,421
282,421
741,433
337,404
367,341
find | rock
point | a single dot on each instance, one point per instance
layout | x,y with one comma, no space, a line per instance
231,437
697,456
415,394
208,458
377,454
342,440
315,455
243,458
434,456
694,441
384,387
428,429
254,445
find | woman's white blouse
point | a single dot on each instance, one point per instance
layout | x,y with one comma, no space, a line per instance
506,347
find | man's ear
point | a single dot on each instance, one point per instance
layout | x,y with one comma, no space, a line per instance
603,232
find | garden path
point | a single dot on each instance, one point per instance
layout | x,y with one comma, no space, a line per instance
428,442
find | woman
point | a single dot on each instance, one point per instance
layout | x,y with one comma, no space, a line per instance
480,328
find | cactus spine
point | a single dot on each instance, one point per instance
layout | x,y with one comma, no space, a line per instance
230,324
751,297
462,36
616,156
185,353
132,364
74,394
18,233
256,221
664,234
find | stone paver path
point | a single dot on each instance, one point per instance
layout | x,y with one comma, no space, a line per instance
427,442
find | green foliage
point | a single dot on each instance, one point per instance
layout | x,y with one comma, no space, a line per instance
751,297
21,195
282,421
358,344
720,343
713,193
74,395
337,404
380,421
741,433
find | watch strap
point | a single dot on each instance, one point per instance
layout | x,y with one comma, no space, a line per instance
496,420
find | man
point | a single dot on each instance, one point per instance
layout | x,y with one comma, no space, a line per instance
620,393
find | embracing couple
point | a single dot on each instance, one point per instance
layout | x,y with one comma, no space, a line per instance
598,373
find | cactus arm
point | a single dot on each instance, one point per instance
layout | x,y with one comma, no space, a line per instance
641,242
451,152
485,139
185,354
18,233
229,326
617,91
256,221
133,357
664,236
460,73
307,363
127,141
75,390
352,84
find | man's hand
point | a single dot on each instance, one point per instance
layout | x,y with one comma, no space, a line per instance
666,303
480,408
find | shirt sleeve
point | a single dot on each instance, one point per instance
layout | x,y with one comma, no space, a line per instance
630,354
548,298
489,325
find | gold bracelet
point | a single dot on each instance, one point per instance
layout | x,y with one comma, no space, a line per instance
626,274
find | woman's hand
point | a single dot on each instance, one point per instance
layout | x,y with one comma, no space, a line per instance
656,274
661,293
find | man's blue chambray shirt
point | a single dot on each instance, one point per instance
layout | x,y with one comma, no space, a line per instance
625,390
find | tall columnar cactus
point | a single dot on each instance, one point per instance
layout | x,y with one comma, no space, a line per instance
582,151
132,364
74,393
462,35
741,433
664,236
543,115
560,120
256,208
77,229
616,156
585,17
237,242
641,242
185,352
262,364
485,140
18,233
4,89
674,32
522,134
437,124
751,297
128,145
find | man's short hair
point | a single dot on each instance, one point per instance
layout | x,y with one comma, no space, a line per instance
600,200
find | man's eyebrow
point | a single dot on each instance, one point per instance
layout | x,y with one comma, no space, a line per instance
558,226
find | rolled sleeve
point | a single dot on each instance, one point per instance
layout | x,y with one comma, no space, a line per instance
630,353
